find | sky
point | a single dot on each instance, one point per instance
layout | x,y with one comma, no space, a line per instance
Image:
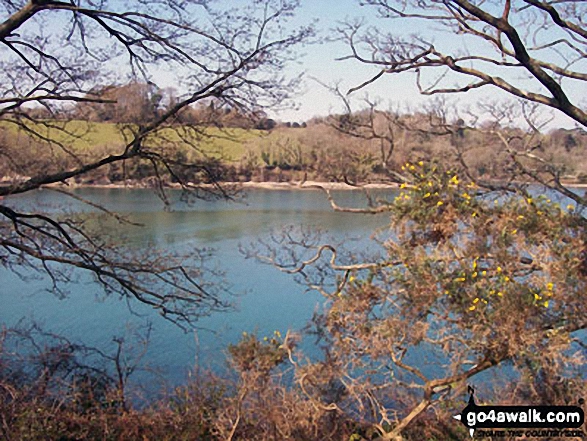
320,66
398,90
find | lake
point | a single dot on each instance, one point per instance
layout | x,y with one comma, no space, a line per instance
266,300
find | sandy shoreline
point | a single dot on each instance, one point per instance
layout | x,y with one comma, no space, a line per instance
250,185
291,185
311,185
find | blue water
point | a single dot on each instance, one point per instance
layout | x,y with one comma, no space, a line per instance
264,299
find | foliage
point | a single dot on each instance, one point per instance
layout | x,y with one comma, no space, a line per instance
470,280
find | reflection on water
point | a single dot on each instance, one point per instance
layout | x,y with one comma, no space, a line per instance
267,300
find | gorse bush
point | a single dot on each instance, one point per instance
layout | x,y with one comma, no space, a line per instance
470,281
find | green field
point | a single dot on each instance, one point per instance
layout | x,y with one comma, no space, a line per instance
96,138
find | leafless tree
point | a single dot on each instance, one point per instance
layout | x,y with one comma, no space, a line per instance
531,49
56,54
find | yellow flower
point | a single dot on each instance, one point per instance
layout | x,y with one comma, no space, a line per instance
475,264
454,180
570,207
412,167
520,217
499,269
475,274
546,304
549,286
460,279
466,196
472,308
506,278
514,231
500,294
403,185
352,278
483,273
529,200
474,214
537,297
439,203
420,163
476,300
427,195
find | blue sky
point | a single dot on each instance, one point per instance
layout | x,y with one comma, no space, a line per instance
321,66
320,63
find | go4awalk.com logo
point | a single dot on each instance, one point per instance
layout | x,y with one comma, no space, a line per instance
537,421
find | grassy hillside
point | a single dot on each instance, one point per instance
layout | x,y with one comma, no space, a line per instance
318,151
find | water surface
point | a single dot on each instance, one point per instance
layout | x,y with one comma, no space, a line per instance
266,300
